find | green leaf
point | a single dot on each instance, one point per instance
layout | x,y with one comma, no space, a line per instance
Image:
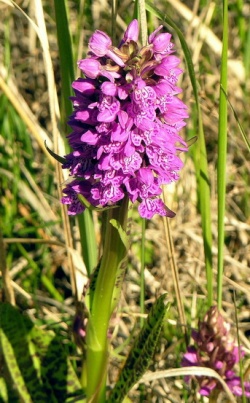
142,351
92,286
37,364
58,158
4,398
123,264
66,60
122,233
88,240
85,220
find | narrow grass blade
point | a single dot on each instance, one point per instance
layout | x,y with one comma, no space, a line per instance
85,221
243,133
247,53
200,157
7,288
66,60
222,153
191,371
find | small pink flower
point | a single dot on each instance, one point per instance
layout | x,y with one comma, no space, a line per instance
132,32
165,68
90,67
154,34
101,45
108,88
162,44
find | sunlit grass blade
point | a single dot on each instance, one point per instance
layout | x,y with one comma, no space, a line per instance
174,271
247,53
200,158
239,351
49,286
23,110
85,221
191,372
222,153
242,131
66,61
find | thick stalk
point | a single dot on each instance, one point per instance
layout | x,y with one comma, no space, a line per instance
101,308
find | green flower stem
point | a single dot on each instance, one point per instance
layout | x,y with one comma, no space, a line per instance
142,276
222,154
102,307
143,22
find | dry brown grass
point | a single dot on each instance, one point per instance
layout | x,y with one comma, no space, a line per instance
27,90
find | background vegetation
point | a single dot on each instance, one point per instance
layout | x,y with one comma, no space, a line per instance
40,247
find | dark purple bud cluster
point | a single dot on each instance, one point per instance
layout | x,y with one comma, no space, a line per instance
215,348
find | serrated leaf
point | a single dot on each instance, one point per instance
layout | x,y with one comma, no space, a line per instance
122,233
142,351
121,270
92,286
37,363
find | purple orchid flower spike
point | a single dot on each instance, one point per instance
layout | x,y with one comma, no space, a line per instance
100,45
126,123
215,348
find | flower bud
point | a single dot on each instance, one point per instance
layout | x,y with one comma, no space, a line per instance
132,32
90,67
